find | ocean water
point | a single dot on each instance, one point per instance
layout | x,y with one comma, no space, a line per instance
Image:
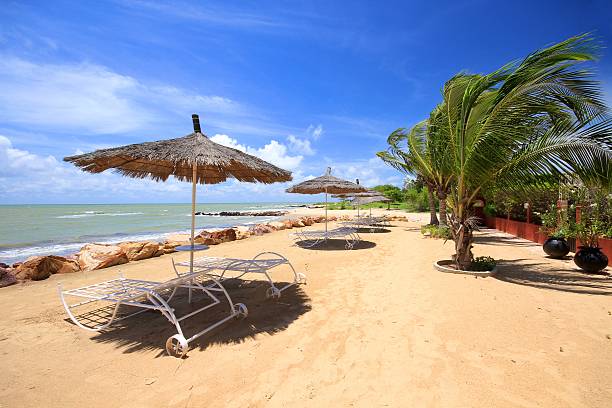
27,230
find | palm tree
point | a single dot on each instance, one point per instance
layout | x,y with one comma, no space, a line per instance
427,142
406,161
423,151
541,119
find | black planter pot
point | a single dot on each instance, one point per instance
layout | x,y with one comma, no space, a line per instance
556,247
590,259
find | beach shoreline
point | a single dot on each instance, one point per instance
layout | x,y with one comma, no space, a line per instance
100,255
17,246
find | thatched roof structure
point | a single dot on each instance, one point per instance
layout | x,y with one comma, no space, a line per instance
372,199
367,193
326,184
161,159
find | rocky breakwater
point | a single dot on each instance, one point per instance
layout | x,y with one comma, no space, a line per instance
41,267
99,256
244,213
216,237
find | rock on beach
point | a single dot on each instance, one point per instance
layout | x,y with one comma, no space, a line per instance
41,267
136,251
98,256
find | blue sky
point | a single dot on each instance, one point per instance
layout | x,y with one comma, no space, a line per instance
304,85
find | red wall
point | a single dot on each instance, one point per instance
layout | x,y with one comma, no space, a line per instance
606,248
531,232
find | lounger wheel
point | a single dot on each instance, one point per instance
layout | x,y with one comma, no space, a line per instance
273,292
301,278
348,245
241,310
177,346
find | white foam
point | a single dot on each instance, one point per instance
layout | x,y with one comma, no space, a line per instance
98,214
15,254
10,255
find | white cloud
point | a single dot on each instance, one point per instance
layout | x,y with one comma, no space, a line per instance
16,162
370,172
315,132
212,15
27,177
276,153
273,152
301,146
225,140
91,98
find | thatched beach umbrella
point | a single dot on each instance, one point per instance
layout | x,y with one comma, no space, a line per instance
361,200
326,184
367,193
192,158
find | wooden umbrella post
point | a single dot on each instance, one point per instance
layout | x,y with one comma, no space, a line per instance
325,209
358,203
194,175
193,204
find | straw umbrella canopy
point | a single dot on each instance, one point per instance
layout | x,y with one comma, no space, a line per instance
192,158
327,184
371,199
367,193
361,200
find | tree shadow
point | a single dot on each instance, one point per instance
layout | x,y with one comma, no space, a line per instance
564,258
412,229
375,230
150,330
334,245
564,278
490,238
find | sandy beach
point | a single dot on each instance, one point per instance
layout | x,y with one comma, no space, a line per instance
375,326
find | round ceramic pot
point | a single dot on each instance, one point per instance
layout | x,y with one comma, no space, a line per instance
556,247
590,259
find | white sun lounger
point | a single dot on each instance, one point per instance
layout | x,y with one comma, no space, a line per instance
262,264
147,295
312,238
367,222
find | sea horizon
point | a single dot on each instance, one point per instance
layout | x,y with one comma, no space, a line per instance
163,203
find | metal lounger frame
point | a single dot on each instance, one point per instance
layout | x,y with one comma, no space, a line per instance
349,234
149,295
261,263
367,222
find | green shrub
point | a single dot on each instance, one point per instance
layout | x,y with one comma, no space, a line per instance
490,210
416,200
436,231
483,263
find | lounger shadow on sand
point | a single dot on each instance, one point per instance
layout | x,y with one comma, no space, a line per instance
150,329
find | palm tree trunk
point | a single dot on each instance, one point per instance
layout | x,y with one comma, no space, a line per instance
442,201
433,218
463,247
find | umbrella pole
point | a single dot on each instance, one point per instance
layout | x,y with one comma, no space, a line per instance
193,203
326,212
